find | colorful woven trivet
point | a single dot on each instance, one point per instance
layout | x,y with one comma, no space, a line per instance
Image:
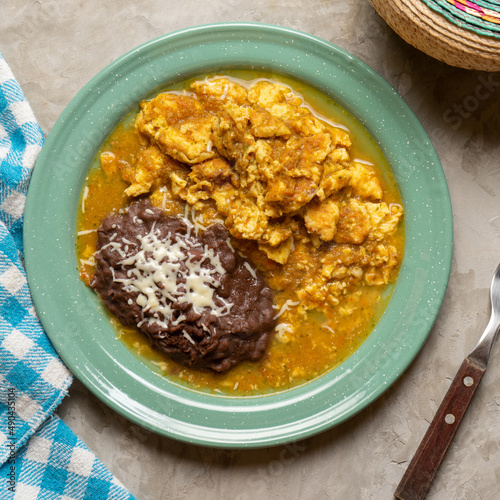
480,16
477,10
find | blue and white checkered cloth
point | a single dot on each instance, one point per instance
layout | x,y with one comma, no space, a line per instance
40,457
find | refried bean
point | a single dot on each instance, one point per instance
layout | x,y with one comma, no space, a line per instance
216,311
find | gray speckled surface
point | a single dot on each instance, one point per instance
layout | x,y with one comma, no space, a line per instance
54,49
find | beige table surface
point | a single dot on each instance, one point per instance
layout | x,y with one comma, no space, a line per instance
55,47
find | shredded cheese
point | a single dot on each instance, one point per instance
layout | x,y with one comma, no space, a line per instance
196,220
164,197
164,271
282,331
88,262
187,336
116,246
329,328
286,307
84,197
250,270
283,328
228,243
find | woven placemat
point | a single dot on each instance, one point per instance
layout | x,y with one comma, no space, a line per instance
444,36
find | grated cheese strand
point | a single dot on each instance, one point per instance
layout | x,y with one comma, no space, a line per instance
250,270
329,328
283,328
286,307
84,197
86,231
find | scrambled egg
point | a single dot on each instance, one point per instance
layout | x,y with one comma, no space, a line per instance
277,175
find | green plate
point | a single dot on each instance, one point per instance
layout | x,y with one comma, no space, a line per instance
80,330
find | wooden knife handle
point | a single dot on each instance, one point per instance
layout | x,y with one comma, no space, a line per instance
420,473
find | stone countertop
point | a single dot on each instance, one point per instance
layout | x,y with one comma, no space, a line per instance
54,48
